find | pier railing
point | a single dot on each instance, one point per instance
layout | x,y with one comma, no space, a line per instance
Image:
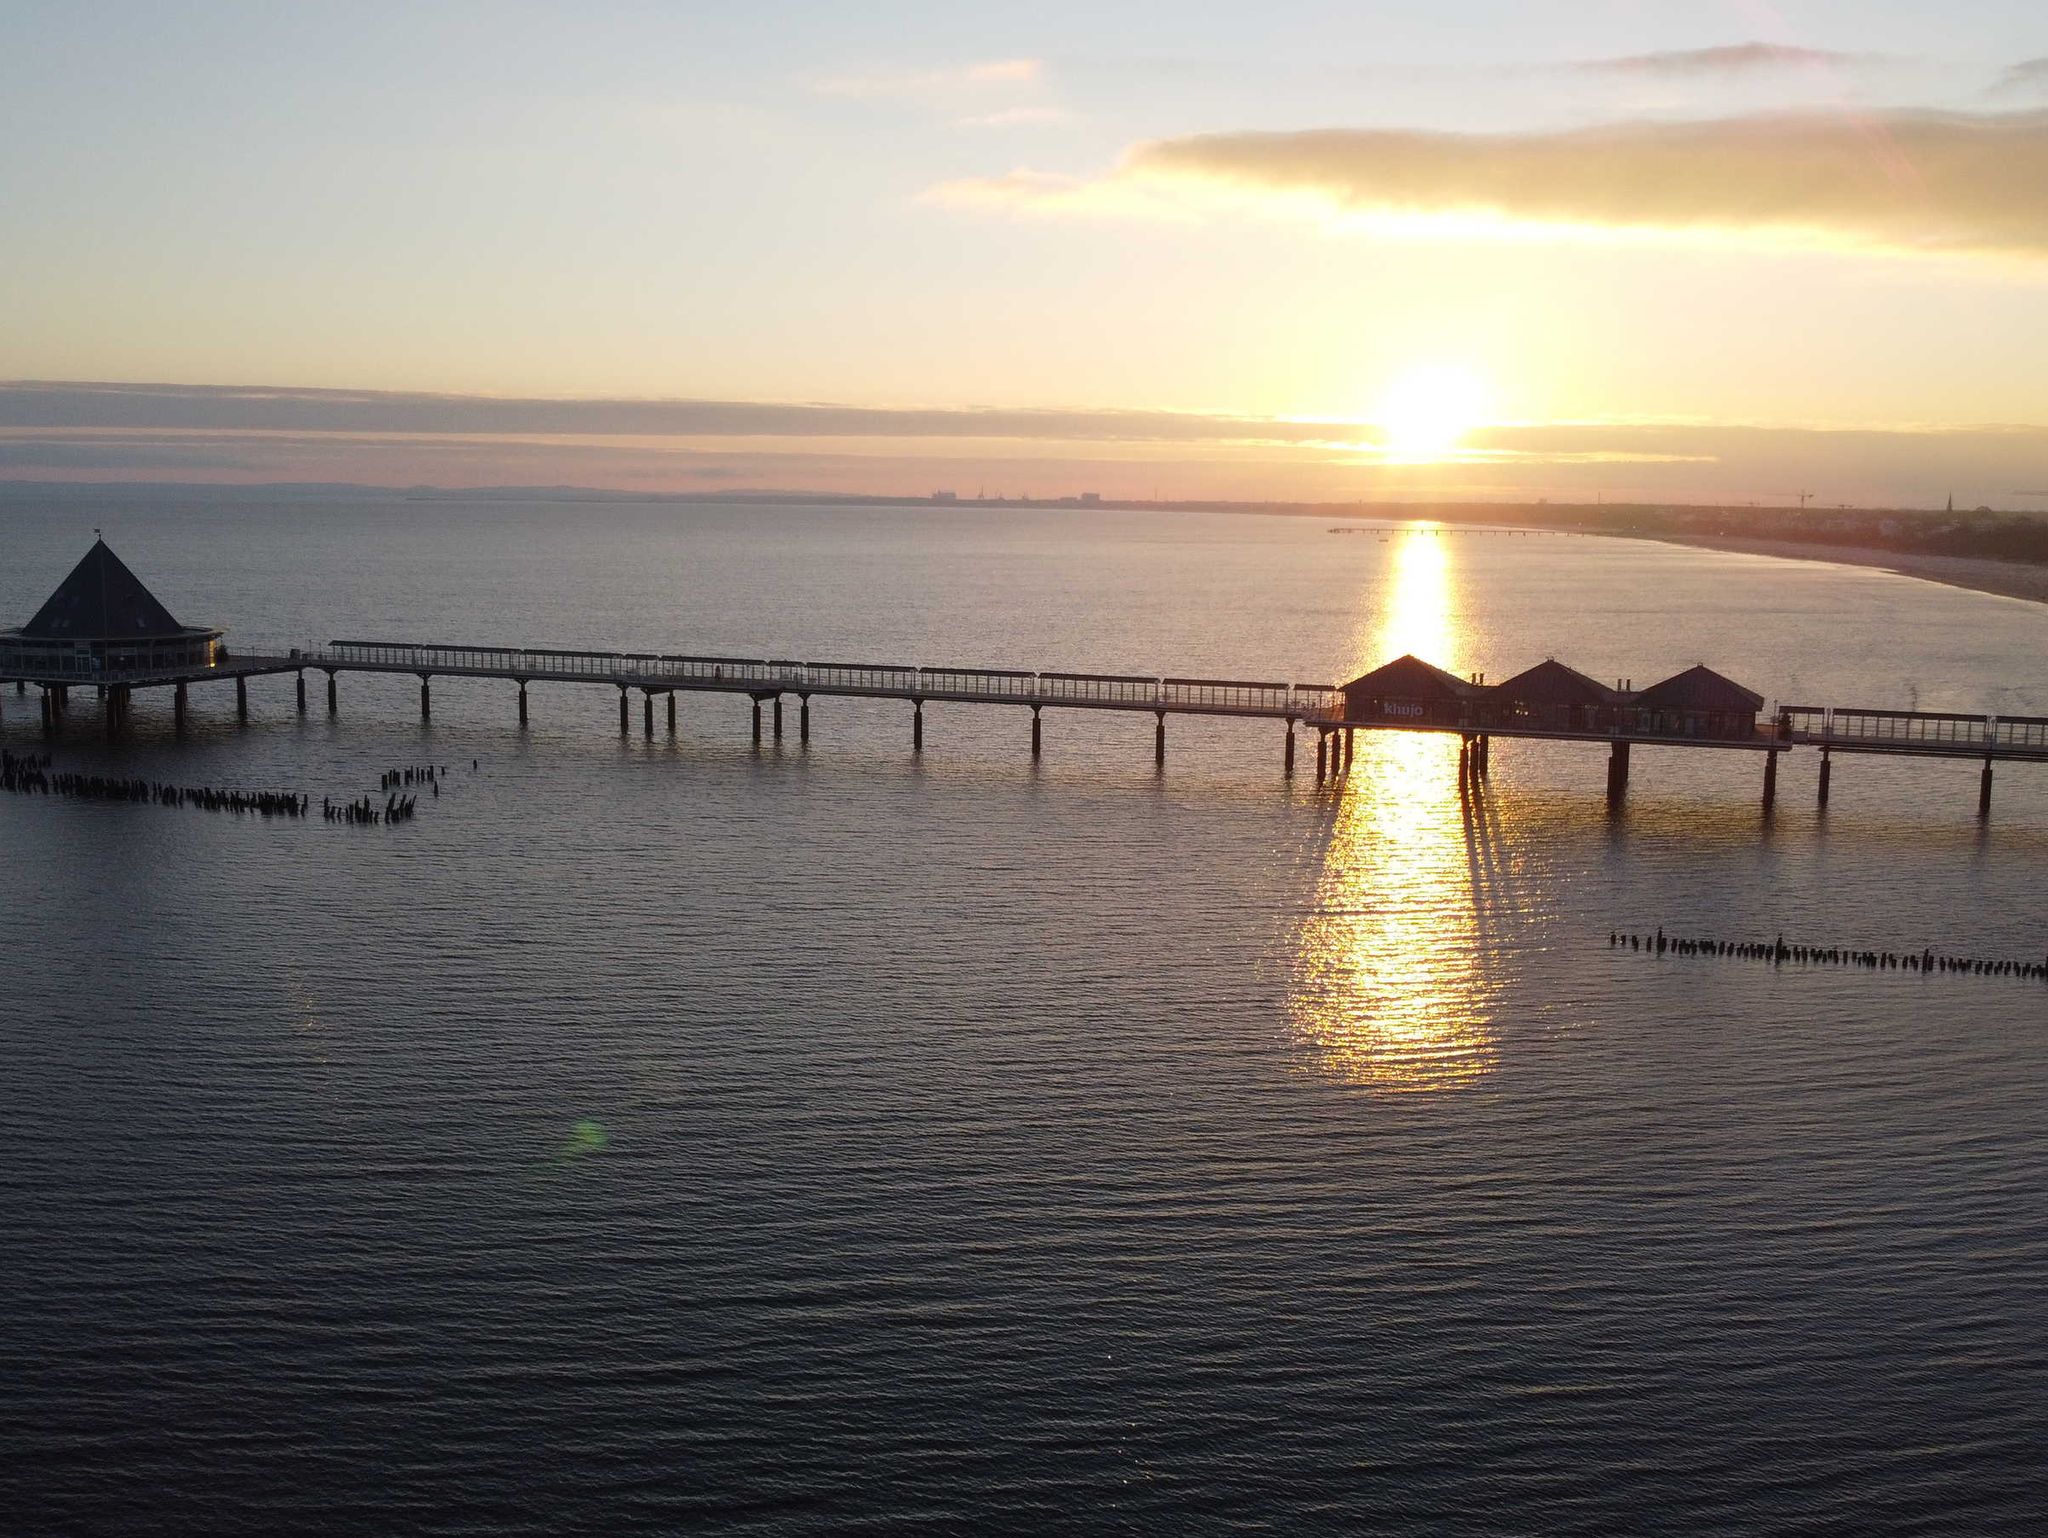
638,670
1917,731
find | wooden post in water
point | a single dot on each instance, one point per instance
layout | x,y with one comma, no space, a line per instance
426,700
671,712
625,718
1159,739
333,696
1037,732
917,727
1984,791
1287,761
757,720
241,697
178,708
302,691
522,702
803,719
1827,769
1350,746
1322,753
49,714
647,713
1770,780
1617,773
778,718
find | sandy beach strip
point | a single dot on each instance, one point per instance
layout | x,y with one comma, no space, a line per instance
2007,579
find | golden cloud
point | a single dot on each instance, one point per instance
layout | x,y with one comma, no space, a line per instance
1902,181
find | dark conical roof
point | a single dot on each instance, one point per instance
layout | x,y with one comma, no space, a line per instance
1552,683
1699,689
1410,678
102,600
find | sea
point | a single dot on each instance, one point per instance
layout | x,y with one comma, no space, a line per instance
672,1134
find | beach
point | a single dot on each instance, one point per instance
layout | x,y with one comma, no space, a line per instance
2007,579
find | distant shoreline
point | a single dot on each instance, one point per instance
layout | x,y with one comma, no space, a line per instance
2002,579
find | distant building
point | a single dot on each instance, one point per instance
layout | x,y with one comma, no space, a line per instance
101,620
1091,499
945,496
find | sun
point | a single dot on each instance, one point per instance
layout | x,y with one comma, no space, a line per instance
1426,411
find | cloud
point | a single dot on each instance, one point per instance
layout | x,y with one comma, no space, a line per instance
1729,59
958,80
2029,75
1904,181
69,455
37,406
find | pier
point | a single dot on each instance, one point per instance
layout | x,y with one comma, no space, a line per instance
142,649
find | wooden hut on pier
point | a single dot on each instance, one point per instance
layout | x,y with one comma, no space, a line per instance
1696,703
1411,692
1551,697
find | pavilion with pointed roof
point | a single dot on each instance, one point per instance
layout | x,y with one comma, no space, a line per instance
101,624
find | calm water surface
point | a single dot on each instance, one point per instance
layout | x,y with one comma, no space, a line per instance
669,1135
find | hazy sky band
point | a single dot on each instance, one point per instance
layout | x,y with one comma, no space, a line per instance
1140,225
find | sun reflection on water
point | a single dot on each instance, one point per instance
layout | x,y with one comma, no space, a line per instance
1389,990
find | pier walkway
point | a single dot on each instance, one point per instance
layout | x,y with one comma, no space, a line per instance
1335,713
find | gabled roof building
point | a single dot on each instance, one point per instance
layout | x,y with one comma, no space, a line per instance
1696,703
1412,691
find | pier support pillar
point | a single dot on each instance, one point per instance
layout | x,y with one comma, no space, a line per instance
113,696
1827,770
757,723
917,727
1485,757
1287,759
1617,774
426,700
803,719
1322,754
1770,780
625,713
1037,732
1350,746
522,702
1984,791
671,712
178,702
241,698
302,692
333,695
778,718
1159,739
49,715
647,713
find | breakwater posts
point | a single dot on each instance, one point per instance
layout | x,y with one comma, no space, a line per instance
1780,953
32,775
364,811
429,775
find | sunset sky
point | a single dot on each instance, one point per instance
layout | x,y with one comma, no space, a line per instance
1717,251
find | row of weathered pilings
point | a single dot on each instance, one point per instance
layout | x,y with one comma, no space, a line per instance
33,774
1781,952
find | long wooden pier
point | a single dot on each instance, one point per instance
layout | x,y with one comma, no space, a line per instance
1335,713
